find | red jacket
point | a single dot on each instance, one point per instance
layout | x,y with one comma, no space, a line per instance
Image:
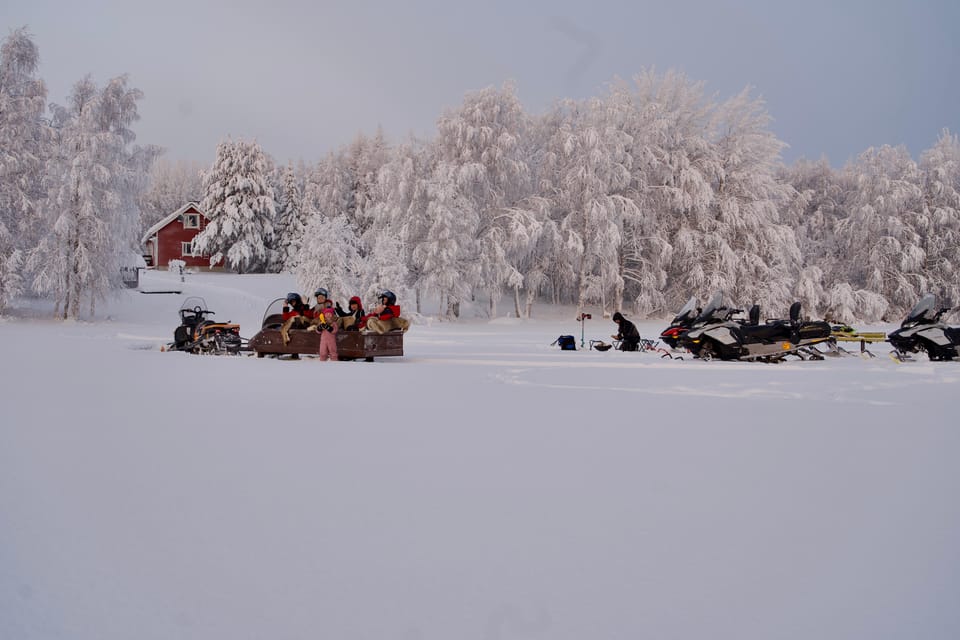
389,311
298,311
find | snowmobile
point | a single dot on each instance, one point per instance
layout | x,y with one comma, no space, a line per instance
198,334
681,323
922,330
716,334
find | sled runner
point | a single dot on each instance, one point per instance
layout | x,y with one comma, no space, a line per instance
350,344
846,333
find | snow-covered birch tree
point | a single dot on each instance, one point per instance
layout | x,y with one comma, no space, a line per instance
24,146
96,179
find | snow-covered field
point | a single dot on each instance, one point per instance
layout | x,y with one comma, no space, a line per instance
484,486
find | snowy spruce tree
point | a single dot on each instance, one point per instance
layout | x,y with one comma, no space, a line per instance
95,179
239,205
290,223
24,147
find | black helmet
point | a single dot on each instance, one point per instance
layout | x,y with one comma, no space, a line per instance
322,292
294,297
390,296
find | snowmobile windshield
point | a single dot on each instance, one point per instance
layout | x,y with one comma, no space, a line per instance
275,308
686,311
192,303
925,309
712,308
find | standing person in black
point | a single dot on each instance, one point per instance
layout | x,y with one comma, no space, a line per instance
628,335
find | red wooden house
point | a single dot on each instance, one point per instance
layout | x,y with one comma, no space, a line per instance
172,239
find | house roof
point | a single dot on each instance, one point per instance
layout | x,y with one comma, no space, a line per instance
170,218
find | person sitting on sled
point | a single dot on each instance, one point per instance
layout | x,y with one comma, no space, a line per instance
385,316
323,301
296,315
351,317
628,335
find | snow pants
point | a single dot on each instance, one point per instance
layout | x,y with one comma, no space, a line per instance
328,345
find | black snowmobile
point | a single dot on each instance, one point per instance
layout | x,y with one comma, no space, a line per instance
717,334
198,334
681,323
922,330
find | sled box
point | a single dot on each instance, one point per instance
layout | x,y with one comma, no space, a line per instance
350,344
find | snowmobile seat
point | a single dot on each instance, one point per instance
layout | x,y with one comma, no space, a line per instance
795,313
768,332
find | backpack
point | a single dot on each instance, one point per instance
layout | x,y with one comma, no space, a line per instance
567,343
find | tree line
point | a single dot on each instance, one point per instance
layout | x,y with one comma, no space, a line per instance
635,200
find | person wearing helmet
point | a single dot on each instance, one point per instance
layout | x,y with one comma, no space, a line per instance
323,302
350,317
628,335
294,306
385,316
296,315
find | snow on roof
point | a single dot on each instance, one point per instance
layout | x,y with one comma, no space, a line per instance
170,218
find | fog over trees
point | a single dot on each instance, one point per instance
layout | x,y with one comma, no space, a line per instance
631,200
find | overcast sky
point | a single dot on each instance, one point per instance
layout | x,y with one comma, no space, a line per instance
304,77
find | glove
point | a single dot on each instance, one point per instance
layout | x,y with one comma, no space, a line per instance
329,328
339,309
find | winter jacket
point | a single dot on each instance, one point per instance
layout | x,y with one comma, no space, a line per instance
298,310
328,335
347,313
628,335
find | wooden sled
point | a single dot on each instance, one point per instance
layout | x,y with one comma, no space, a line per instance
350,344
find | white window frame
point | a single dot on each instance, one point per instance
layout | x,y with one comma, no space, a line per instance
193,218
186,249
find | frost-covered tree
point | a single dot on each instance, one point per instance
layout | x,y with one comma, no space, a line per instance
748,197
330,256
819,204
24,146
586,170
239,206
170,186
483,139
95,181
290,225
939,227
398,220
445,255
882,249
674,160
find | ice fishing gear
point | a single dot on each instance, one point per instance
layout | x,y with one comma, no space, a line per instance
566,343
582,318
